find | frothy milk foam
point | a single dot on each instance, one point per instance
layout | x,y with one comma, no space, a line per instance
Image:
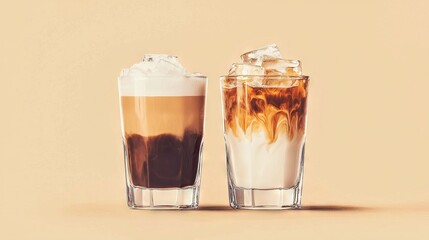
160,75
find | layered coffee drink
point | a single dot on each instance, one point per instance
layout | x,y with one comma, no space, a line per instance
265,109
162,109
265,133
163,139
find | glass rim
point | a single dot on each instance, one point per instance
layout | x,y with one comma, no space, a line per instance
302,77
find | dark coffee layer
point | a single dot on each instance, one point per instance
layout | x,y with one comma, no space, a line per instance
163,161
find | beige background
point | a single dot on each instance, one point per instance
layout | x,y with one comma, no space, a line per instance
61,174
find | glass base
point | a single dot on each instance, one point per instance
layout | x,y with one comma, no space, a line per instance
163,198
277,198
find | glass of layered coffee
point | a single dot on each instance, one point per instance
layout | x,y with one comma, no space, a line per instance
162,113
265,114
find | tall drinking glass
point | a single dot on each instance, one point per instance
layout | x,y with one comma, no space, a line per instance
264,129
162,131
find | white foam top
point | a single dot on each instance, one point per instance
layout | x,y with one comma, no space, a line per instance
160,75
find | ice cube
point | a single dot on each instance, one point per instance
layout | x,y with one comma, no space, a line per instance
168,67
163,64
155,57
279,82
244,73
154,65
157,65
256,57
245,69
282,67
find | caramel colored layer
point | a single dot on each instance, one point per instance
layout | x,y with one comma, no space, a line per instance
154,115
274,109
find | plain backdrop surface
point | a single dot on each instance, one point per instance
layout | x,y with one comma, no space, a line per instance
62,172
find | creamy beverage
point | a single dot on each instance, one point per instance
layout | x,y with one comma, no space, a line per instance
265,113
162,113
265,133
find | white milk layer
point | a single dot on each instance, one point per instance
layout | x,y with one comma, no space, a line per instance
257,164
162,85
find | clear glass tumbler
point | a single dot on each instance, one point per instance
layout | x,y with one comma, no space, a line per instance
264,130
162,132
